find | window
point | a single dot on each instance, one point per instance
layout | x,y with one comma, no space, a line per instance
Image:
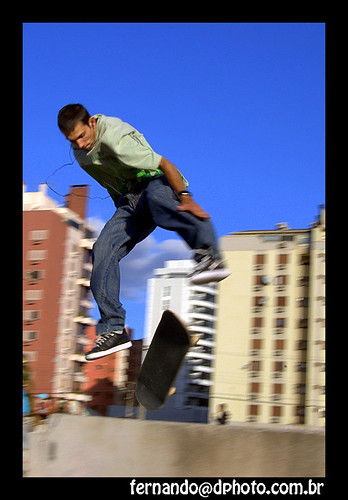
281,301
283,259
30,336
73,223
165,304
32,295
279,366
257,322
279,344
302,302
302,345
259,301
302,323
255,366
260,259
255,387
304,259
280,323
277,388
258,280
303,281
38,235
256,344
35,255
300,411
253,410
30,356
31,315
34,275
166,291
277,411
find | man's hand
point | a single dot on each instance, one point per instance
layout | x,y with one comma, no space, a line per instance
189,205
175,180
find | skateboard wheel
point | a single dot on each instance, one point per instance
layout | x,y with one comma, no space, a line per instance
171,391
194,339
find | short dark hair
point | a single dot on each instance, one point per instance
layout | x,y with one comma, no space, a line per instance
70,115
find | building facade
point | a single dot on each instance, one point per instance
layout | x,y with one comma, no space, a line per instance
196,306
57,245
269,364
110,381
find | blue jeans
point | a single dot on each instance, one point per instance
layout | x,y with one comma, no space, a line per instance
137,215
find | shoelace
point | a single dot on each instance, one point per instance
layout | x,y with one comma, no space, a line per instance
102,338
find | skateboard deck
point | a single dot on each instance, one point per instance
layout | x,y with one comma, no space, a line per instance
162,362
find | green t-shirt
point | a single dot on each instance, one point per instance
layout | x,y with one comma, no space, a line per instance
121,157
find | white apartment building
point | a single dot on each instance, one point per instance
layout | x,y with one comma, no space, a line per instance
196,306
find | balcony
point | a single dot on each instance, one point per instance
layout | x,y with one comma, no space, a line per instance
199,355
87,243
200,315
83,281
84,320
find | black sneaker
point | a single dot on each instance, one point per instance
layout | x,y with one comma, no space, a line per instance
108,343
208,270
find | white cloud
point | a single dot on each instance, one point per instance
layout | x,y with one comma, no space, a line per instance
139,264
96,223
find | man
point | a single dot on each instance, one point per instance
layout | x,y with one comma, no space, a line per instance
148,191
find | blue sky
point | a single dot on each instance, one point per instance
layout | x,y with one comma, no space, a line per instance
239,108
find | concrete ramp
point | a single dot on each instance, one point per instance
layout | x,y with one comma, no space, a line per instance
85,446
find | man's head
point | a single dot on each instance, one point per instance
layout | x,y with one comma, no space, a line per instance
78,126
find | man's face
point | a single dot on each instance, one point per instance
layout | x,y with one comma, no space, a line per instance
83,136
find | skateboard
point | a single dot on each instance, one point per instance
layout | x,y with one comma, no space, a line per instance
163,361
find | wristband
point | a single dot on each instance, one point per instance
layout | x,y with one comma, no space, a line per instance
185,193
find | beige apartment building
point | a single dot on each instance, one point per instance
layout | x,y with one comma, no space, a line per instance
269,364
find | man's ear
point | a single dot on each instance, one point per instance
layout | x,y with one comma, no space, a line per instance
92,122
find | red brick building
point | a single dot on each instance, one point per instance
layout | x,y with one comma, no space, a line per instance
57,243
111,380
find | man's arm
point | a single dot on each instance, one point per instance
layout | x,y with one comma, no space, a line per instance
175,180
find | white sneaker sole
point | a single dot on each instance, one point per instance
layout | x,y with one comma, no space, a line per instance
214,275
112,350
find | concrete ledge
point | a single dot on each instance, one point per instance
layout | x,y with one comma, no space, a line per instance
85,446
